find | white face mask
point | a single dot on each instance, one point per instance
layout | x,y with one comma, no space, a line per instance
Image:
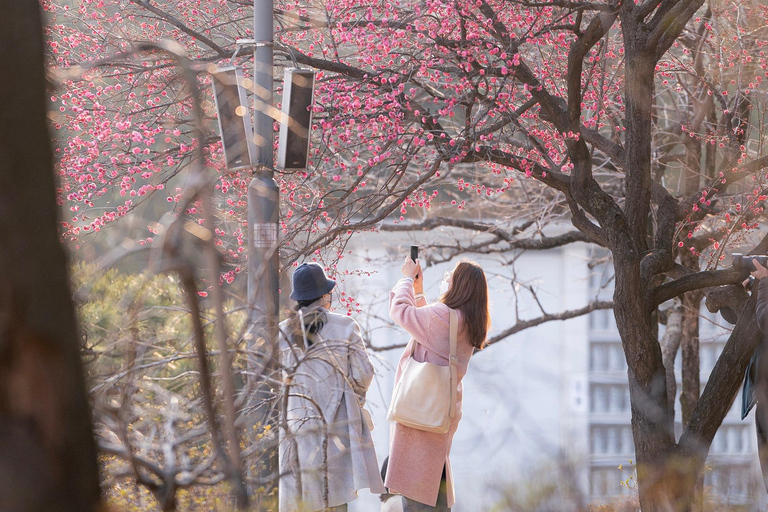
445,285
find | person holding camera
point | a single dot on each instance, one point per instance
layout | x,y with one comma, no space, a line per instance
757,373
326,449
419,468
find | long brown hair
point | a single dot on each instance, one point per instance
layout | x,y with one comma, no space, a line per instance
469,294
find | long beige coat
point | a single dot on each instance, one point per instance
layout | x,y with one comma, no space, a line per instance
338,452
416,457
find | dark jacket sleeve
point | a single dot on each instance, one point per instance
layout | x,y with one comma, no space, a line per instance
761,310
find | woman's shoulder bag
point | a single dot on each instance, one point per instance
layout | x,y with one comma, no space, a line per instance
425,396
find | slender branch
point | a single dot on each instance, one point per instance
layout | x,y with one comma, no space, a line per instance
499,31
521,325
181,26
225,362
326,65
666,29
646,8
122,451
564,315
206,385
528,243
661,258
611,149
508,118
582,223
382,214
722,386
438,222
554,179
695,281
598,27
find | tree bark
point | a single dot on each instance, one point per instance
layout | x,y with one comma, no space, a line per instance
670,344
47,450
647,388
654,441
638,99
689,344
691,378
716,400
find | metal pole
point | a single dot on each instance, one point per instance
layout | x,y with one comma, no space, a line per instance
263,34
263,213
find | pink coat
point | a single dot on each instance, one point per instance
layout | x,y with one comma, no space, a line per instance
416,457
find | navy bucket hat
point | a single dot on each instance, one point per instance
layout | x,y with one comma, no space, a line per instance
310,282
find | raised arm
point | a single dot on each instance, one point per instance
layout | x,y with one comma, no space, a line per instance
422,323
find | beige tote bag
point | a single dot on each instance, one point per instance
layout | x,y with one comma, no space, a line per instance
425,395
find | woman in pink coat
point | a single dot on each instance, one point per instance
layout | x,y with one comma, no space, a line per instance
419,468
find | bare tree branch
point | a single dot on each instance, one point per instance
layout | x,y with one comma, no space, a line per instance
565,315
438,222
695,281
181,26
722,386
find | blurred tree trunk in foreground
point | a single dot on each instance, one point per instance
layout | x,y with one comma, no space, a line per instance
47,451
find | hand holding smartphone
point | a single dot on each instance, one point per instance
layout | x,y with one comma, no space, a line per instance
415,255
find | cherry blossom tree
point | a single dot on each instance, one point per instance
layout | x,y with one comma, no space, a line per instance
637,122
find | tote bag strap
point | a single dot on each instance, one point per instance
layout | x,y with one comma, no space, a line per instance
453,360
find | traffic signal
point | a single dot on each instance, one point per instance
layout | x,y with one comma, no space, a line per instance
234,117
296,118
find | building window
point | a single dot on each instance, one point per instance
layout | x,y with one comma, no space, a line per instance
608,481
732,439
612,440
607,357
730,481
609,398
602,320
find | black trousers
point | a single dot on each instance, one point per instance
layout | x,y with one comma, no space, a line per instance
442,500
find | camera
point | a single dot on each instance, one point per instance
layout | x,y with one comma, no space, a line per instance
742,262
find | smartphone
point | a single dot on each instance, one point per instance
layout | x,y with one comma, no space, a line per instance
415,254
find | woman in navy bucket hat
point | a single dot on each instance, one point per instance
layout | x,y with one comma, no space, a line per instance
326,449
310,283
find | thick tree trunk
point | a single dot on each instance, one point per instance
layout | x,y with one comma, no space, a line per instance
654,440
47,450
639,102
651,430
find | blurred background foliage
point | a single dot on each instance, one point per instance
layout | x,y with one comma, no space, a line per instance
144,383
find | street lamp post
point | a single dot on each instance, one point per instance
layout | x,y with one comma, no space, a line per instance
263,214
